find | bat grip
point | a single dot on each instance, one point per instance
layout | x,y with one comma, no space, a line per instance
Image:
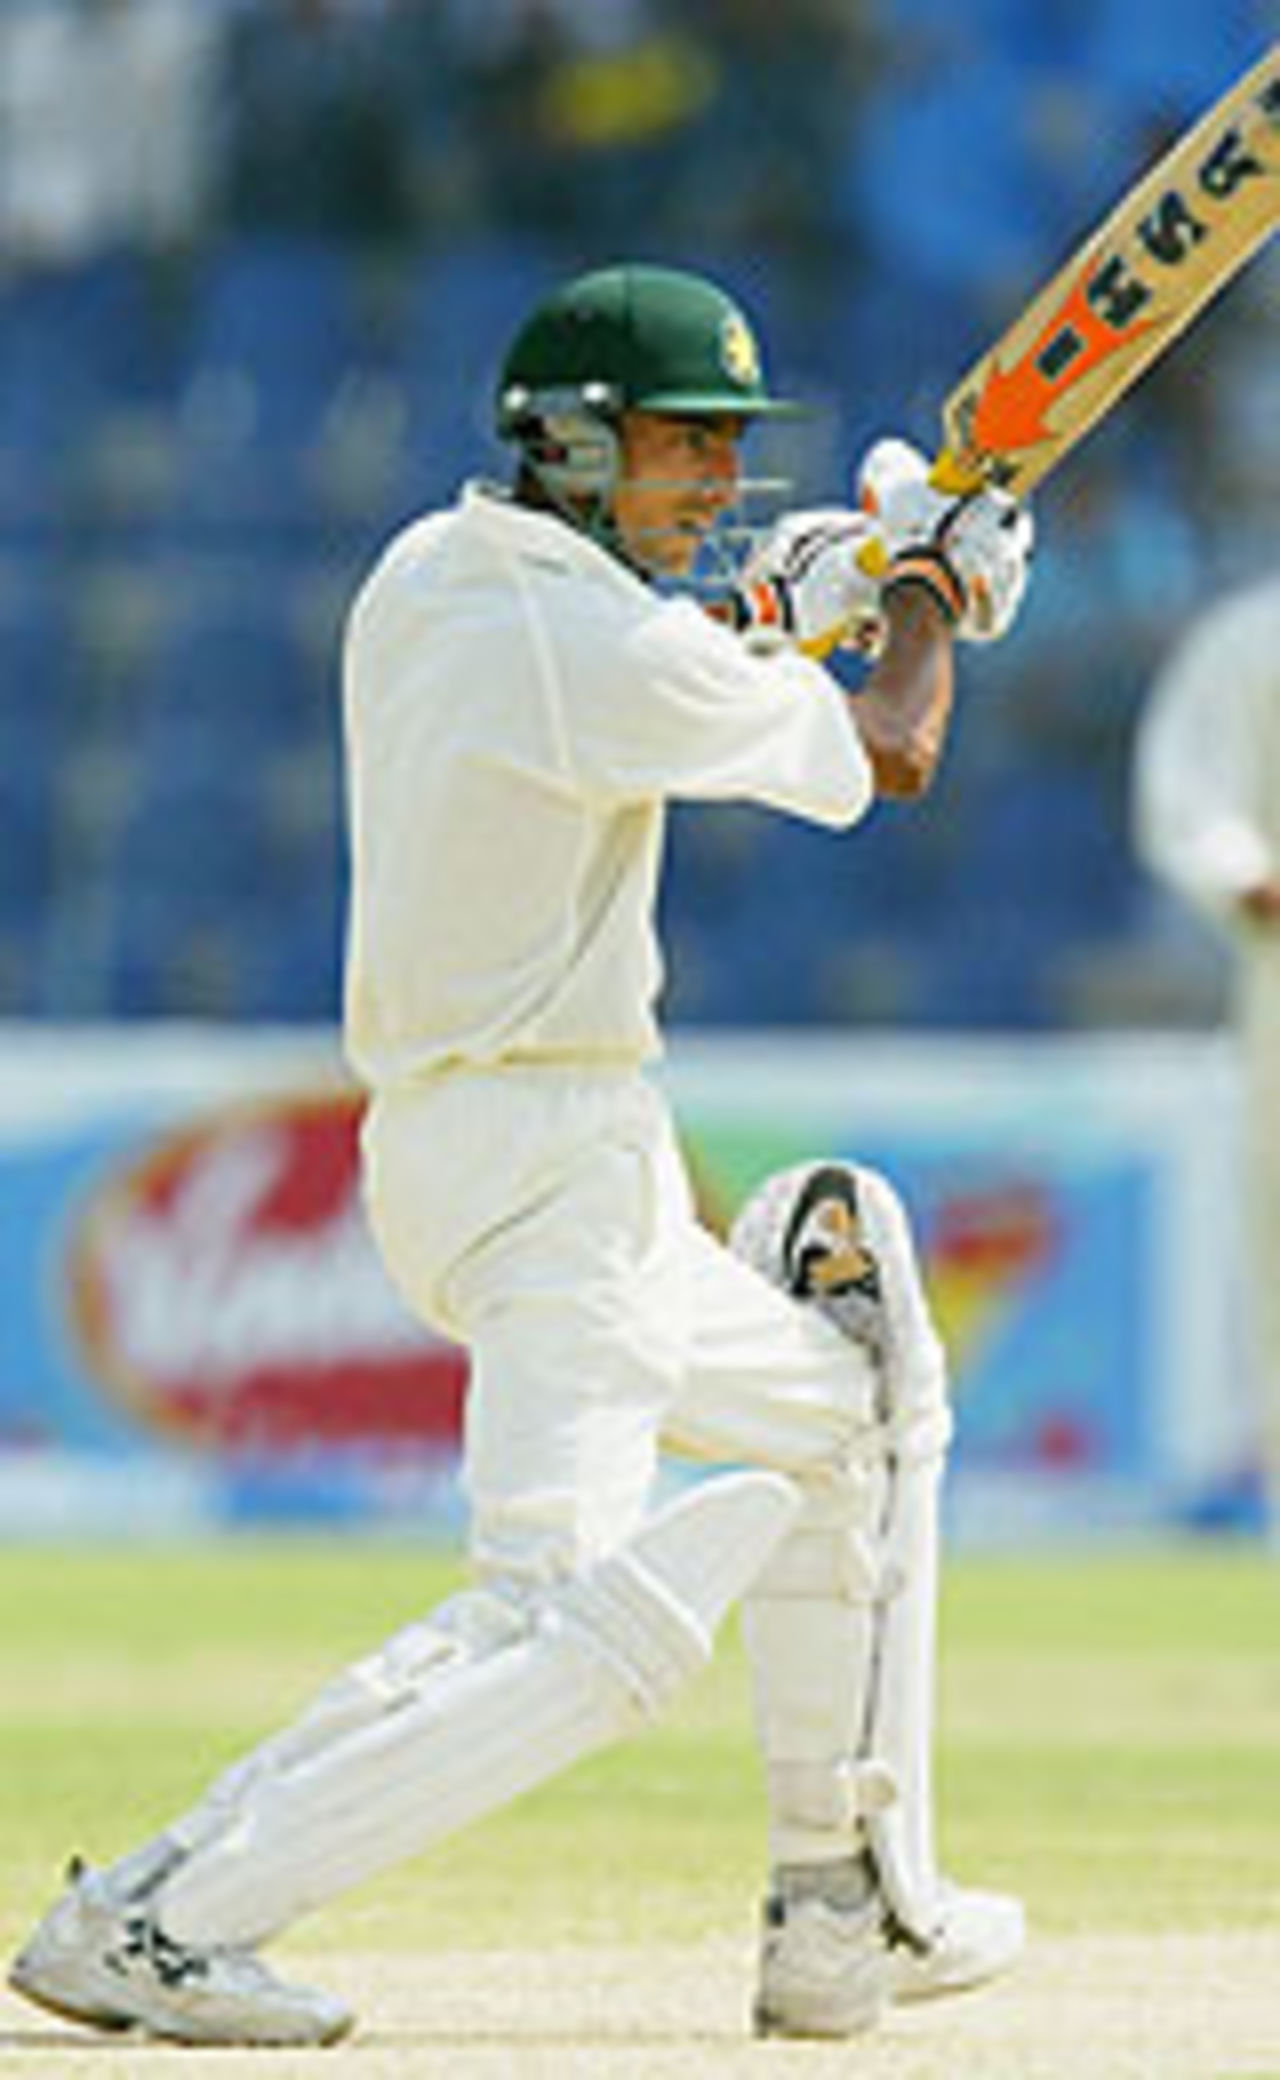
954,478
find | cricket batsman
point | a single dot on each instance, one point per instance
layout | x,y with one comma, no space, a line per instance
527,686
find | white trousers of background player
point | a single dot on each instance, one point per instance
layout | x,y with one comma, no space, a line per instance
1259,1027
546,1219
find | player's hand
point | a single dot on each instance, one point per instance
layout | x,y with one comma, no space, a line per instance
813,582
1259,904
974,553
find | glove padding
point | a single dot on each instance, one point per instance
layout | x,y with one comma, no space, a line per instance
974,552
813,583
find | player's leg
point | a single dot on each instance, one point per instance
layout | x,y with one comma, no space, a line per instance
572,1308
851,1589
1260,1037
452,1718
595,1616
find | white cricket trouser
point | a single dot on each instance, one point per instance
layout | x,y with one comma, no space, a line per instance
1260,1033
546,1219
543,1216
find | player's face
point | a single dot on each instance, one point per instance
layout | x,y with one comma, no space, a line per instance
677,477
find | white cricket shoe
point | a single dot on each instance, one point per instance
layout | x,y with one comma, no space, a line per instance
980,1935
824,1970
101,1961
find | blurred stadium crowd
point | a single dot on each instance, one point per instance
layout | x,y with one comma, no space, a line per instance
257,261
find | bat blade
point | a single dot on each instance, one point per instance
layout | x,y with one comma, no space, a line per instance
1168,247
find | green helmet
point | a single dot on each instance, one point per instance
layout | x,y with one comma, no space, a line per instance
634,338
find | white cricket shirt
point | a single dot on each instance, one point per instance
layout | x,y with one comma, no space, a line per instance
1207,756
519,706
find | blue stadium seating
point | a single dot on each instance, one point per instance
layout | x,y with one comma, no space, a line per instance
223,892
226,685
26,848
38,662
280,313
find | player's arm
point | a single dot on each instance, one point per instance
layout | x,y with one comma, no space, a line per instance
900,579
903,710
1259,904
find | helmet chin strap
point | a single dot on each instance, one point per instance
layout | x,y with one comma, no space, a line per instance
588,512
571,465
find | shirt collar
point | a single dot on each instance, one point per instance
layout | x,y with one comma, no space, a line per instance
530,531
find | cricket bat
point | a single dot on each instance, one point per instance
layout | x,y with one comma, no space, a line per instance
1175,240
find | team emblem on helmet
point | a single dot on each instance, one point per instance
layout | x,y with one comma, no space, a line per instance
739,354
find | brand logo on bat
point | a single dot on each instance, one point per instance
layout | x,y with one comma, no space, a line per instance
1129,285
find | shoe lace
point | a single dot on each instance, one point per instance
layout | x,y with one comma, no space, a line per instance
173,1963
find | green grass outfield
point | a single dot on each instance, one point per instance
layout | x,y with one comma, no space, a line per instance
1110,1744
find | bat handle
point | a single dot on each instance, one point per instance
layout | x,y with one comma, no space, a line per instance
953,477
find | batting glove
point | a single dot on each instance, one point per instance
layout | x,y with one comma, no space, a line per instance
973,553
813,583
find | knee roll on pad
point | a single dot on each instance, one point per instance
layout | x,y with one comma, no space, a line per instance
629,1624
650,1611
835,1236
916,1421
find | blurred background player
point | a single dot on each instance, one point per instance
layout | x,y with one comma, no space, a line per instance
1207,814
523,699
